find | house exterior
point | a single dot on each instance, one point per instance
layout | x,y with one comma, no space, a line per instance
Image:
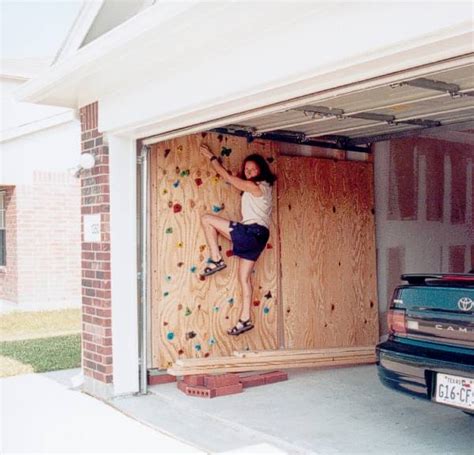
40,259
168,70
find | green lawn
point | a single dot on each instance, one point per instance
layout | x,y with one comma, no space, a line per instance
39,341
42,354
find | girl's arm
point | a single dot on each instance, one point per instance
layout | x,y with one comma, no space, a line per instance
240,184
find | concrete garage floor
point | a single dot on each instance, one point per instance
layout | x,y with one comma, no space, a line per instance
343,410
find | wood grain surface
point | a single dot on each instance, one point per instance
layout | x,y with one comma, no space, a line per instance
327,241
189,316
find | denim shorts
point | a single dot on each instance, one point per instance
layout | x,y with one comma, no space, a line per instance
249,240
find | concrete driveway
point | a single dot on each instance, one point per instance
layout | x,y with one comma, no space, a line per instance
343,410
41,413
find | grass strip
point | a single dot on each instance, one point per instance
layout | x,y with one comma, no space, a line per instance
39,324
43,354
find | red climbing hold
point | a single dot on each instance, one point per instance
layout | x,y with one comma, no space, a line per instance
269,246
256,302
198,182
177,208
229,253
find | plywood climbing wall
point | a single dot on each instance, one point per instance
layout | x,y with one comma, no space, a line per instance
327,234
190,316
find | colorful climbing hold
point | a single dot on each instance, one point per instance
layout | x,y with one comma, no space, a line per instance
185,173
165,191
169,230
166,294
197,347
198,181
176,184
207,354
266,310
202,248
188,312
165,323
179,245
215,180
217,208
215,309
212,341
180,264
167,152
269,246
190,335
180,306
180,352
193,269
229,253
170,204
230,300
268,295
192,204
177,170
256,302
177,208
180,148
226,151
170,335
168,278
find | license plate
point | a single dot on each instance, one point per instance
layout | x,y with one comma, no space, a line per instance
454,390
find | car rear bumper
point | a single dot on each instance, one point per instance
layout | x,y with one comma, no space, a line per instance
412,370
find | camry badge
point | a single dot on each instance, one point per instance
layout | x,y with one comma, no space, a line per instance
465,304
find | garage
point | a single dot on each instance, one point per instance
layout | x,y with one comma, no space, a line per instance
369,132
315,286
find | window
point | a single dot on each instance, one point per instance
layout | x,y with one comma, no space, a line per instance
3,248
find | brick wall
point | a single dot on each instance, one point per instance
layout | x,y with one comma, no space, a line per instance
48,241
8,274
96,273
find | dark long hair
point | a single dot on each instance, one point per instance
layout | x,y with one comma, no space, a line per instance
265,175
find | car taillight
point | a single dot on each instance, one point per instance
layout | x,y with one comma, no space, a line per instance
396,322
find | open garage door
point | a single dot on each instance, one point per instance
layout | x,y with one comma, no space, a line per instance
342,285
415,102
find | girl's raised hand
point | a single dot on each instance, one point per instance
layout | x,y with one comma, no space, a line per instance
205,151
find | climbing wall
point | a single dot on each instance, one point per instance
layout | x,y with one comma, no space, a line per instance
327,233
190,315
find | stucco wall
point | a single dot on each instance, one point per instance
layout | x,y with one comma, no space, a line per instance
424,193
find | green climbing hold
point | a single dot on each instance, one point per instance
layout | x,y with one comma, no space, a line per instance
187,312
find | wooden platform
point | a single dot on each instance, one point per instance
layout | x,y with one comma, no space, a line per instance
269,360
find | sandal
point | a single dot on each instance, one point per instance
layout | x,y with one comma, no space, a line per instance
241,327
214,266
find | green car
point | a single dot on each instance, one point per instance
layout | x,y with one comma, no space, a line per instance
429,352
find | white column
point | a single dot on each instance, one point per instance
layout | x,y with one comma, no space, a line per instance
123,240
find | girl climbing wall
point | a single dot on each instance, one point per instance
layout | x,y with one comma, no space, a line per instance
249,236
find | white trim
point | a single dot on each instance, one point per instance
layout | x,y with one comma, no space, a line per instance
93,55
123,248
79,29
33,127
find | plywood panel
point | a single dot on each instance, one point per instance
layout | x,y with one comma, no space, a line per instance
327,240
190,316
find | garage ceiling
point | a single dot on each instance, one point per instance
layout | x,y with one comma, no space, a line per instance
354,121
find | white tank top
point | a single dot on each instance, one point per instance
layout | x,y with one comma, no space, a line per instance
257,209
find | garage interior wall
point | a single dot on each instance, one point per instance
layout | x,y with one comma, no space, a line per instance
424,218
190,316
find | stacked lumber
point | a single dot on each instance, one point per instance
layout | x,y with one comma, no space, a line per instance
270,360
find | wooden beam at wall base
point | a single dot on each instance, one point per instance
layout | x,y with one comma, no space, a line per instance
272,360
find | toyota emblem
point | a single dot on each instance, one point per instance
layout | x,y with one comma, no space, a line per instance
465,304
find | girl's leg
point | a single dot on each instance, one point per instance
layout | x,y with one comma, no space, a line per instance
214,225
245,270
